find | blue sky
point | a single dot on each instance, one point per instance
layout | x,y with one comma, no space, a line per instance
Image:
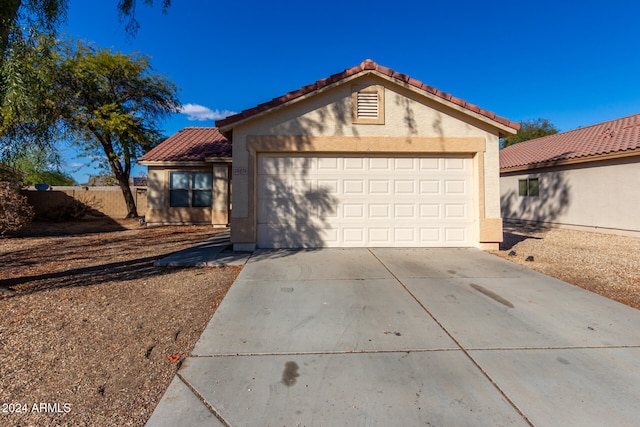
574,63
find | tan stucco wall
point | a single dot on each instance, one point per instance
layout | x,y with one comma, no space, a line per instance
603,195
159,212
107,201
323,124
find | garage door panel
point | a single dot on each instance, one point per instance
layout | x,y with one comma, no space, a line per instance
430,186
405,186
430,235
354,164
455,186
379,164
353,210
364,201
454,211
379,211
455,234
329,186
405,164
328,164
379,186
430,211
404,211
454,164
432,164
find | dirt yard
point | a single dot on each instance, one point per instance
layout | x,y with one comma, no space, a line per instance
91,333
602,263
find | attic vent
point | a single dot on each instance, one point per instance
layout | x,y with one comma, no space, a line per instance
367,105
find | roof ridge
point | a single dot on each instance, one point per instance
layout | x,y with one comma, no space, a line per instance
582,128
609,136
595,124
367,65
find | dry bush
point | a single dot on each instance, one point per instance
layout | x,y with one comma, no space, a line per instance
15,211
72,210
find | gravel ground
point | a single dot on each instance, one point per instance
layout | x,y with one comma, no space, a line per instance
606,264
91,333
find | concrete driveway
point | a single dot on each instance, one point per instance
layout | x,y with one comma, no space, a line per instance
434,337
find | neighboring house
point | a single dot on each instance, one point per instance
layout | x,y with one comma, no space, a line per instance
189,180
588,178
366,158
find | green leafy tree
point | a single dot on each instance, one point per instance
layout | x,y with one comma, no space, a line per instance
17,15
42,167
111,105
108,104
27,121
530,129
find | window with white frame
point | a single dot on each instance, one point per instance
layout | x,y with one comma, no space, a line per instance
528,187
190,189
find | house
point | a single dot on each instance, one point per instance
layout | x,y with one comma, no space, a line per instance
365,158
587,178
188,180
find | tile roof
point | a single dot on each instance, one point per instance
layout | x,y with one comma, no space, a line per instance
603,138
192,144
366,66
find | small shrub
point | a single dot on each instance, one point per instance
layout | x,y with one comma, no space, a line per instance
72,210
15,211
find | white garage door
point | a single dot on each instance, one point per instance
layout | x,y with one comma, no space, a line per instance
373,201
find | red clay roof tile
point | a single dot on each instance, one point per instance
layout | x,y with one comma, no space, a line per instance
608,137
192,144
365,66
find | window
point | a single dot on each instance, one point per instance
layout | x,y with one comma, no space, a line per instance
190,189
528,187
368,104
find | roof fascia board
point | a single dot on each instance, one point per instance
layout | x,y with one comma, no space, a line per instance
452,105
207,162
293,101
506,129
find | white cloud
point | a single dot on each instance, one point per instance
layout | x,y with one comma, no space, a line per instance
202,113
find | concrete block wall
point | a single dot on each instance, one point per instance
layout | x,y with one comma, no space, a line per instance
107,201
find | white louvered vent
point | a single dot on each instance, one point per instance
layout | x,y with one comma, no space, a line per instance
367,105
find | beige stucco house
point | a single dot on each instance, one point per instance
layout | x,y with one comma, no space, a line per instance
189,178
587,178
366,158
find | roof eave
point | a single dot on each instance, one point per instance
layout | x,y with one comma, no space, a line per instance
224,129
573,161
503,129
183,163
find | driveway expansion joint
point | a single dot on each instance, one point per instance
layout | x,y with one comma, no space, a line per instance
465,351
202,399
328,352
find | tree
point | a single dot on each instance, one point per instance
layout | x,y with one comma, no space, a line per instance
22,21
530,129
42,167
16,15
111,104
108,104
